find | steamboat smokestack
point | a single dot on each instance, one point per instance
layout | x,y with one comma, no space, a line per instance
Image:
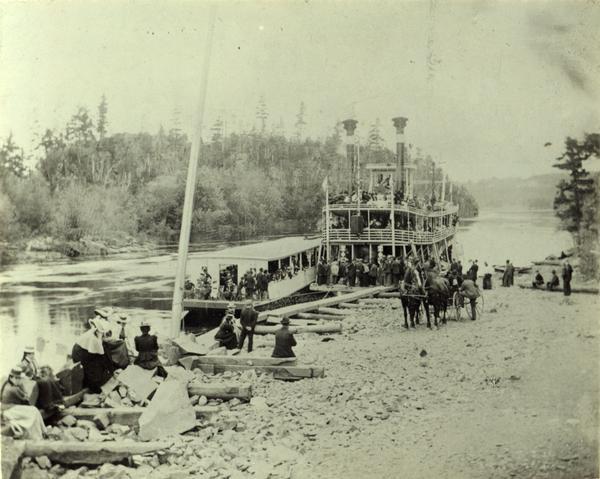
400,123
350,126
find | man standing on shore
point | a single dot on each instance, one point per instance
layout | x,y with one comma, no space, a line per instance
248,319
567,274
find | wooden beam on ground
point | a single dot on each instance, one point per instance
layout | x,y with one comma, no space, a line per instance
378,301
319,316
389,294
274,320
358,305
245,360
128,416
280,371
331,301
319,328
220,391
582,290
91,452
333,311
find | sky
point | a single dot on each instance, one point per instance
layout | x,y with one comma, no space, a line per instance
485,85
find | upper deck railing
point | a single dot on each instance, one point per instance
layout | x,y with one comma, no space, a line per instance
447,209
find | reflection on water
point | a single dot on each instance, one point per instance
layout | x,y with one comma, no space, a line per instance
53,301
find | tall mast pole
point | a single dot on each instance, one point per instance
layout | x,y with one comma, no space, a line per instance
190,186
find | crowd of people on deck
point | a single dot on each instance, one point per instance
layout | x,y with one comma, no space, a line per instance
375,199
104,348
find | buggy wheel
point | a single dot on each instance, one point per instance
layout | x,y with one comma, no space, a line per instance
478,308
456,305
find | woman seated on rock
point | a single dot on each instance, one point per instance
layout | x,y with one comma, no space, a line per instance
147,347
89,351
226,334
49,390
19,418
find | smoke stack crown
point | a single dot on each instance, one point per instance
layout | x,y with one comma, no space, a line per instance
400,123
350,126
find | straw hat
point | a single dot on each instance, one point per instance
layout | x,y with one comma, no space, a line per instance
144,324
101,312
122,319
29,350
16,372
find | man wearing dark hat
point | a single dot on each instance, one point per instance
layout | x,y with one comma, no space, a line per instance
12,390
284,341
147,347
248,319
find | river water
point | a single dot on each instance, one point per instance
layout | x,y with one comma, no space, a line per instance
47,305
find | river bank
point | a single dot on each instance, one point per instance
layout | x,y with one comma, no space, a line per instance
514,394
47,248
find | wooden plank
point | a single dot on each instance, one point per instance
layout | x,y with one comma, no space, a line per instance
271,320
280,370
319,316
358,305
220,391
389,294
248,360
91,452
128,415
578,290
333,311
331,301
377,301
319,328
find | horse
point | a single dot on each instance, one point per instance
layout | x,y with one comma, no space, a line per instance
412,297
438,295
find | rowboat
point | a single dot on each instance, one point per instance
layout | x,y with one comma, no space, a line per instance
518,269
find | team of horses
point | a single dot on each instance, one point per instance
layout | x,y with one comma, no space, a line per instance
434,290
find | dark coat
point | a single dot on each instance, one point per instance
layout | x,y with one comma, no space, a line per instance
226,335
147,348
97,368
284,341
248,318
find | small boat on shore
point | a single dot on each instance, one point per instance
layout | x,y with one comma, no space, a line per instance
580,289
518,269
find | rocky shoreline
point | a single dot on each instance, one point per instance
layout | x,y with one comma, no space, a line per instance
47,248
514,394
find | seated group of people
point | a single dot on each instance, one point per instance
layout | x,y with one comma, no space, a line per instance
203,287
232,333
538,281
100,351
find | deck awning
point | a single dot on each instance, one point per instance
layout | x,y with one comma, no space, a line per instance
264,251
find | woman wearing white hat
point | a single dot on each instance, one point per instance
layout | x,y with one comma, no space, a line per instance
89,351
49,390
23,420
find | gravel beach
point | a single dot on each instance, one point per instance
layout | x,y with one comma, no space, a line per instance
513,394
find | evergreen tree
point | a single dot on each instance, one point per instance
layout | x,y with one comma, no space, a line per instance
11,159
572,193
102,121
262,113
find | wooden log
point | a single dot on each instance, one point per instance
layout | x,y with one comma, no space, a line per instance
129,416
247,360
320,328
377,301
389,294
579,290
274,320
91,452
333,311
357,306
325,302
281,371
319,316
220,391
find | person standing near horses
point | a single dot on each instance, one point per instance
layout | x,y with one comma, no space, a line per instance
469,290
567,274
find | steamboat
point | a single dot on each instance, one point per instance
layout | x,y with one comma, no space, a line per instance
386,217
